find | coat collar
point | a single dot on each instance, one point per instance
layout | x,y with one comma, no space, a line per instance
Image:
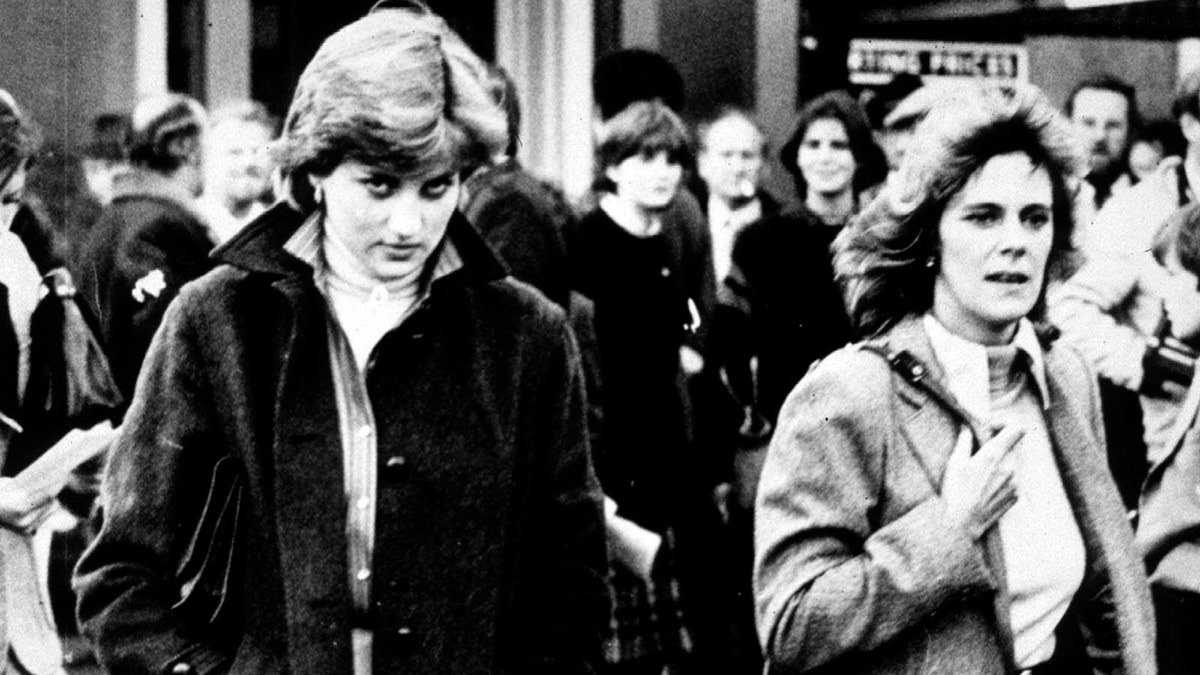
260,247
1077,448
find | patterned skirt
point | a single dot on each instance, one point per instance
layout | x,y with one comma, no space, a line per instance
648,621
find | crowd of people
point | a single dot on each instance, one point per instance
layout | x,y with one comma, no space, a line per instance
359,393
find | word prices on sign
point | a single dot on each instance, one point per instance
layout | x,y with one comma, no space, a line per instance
876,62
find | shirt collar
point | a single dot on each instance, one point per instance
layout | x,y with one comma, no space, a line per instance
305,244
965,364
721,216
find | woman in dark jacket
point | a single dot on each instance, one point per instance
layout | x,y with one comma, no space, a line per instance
644,281
935,499
780,308
406,423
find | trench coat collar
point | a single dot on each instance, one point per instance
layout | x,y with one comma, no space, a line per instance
259,247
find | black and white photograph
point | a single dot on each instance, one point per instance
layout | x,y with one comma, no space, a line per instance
599,337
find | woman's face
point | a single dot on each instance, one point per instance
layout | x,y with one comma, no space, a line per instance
236,166
648,181
389,224
11,191
995,237
825,159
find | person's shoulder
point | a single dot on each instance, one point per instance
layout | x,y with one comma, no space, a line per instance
509,297
785,233
1066,362
153,217
213,293
852,378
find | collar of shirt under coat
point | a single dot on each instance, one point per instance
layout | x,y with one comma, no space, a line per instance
966,364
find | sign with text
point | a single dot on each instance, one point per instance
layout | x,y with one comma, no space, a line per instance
876,62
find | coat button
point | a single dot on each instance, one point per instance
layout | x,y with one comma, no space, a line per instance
182,668
395,467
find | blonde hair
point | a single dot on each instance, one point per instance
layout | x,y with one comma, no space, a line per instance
881,258
396,89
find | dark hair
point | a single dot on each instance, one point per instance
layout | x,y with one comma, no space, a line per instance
20,138
880,256
870,161
165,131
887,97
631,75
644,128
110,137
1180,233
1107,82
1166,134
396,89
503,91
1187,96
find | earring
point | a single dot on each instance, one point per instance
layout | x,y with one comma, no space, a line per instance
318,195
931,262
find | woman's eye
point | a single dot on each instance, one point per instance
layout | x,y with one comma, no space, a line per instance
980,217
433,189
839,145
1037,221
380,186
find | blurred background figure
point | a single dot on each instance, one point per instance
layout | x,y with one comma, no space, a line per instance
1169,517
150,239
878,108
526,221
1156,140
833,159
1111,308
1105,114
237,167
729,168
632,264
523,218
106,154
43,400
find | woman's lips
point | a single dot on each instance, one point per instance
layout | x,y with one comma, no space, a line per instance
1007,277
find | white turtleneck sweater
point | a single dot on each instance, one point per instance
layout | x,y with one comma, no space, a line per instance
1044,555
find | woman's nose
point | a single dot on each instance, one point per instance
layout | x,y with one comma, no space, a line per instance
405,217
1015,236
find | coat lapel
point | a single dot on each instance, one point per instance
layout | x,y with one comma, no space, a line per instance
927,409
932,426
309,499
1111,556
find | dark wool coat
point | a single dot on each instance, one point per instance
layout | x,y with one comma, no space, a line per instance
780,304
148,232
641,287
857,570
489,552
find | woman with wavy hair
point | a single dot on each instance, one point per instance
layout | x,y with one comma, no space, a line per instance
396,426
833,158
935,498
